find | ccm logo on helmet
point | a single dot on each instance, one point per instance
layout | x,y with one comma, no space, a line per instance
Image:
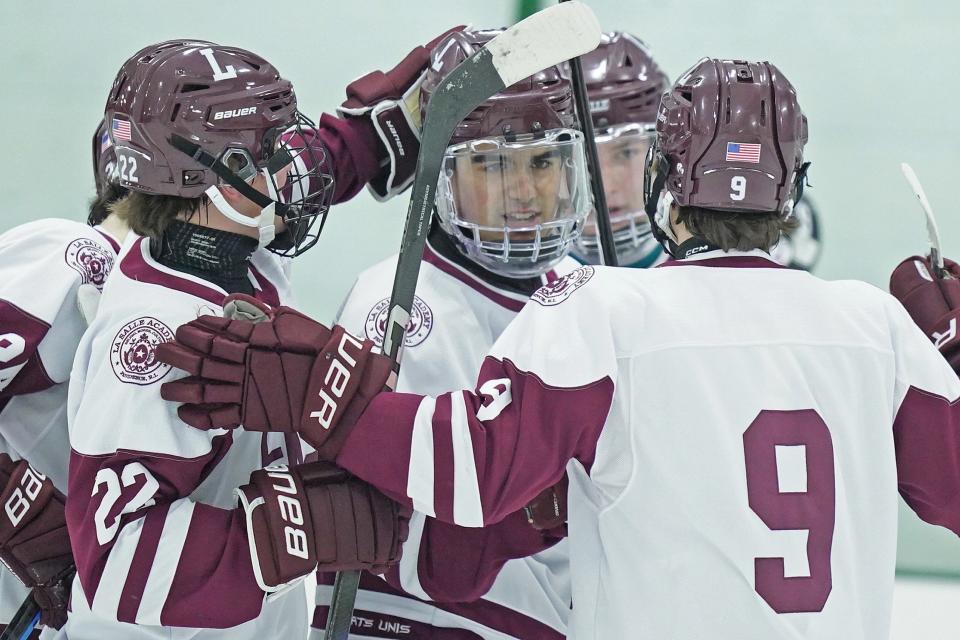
234,113
336,380
290,510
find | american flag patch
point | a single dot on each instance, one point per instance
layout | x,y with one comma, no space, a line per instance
121,130
105,142
743,152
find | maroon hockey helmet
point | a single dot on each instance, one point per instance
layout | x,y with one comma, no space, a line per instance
104,153
730,137
538,103
186,116
624,82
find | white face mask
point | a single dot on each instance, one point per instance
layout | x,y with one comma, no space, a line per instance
265,222
279,189
515,206
623,150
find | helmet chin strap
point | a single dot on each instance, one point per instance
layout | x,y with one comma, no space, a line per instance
661,224
265,222
662,217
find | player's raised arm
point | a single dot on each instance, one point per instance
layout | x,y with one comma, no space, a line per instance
384,107
927,426
375,140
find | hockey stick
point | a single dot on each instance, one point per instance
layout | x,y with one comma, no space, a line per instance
544,39
933,233
28,615
23,622
608,251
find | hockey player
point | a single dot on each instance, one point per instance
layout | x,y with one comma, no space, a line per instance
624,85
734,431
54,270
514,176
223,173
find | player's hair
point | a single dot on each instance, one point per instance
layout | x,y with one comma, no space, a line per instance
149,215
100,205
732,230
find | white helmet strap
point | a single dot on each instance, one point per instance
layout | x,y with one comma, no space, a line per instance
265,222
662,217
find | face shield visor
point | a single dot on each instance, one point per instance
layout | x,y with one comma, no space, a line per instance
516,205
622,150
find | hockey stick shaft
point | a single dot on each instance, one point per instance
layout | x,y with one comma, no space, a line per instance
28,615
340,613
933,232
608,251
24,621
544,39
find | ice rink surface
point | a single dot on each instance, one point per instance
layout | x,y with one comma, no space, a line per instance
925,609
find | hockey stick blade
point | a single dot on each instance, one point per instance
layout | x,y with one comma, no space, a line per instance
542,40
933,232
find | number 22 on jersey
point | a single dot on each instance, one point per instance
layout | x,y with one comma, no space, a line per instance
798,441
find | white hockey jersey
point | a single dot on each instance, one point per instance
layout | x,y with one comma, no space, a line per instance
42,265
161,550
456,318
734,433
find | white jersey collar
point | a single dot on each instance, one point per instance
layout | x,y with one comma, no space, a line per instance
719,253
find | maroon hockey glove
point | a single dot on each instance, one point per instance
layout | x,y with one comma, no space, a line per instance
34,544
391,102
316,515
933,303
280,372
548,511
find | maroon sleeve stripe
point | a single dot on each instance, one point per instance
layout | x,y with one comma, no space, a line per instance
214,586
143,561
443,469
